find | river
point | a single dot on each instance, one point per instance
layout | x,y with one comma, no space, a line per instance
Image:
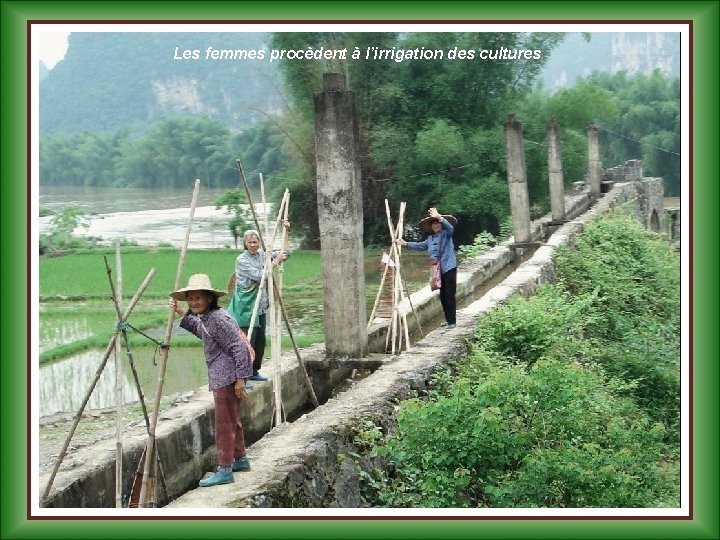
144,216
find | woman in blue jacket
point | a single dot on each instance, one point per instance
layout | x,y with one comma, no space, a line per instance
439,245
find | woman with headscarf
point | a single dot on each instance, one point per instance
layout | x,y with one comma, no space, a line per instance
249,267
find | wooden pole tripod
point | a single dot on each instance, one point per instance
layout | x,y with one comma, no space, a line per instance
98,373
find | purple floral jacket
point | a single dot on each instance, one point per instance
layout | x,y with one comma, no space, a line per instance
226,354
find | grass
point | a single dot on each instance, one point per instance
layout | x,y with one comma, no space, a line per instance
76,312
83,274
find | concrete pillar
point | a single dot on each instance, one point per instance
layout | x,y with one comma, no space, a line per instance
340,218
517,180
594,160
557,186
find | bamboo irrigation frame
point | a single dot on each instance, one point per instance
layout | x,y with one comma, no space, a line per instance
109,349
397,327
141,396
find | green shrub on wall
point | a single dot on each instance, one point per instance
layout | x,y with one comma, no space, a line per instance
568,399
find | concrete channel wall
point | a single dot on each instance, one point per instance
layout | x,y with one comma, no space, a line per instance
307,462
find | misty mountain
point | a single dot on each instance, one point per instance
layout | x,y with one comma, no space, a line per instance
634,52
43,71
110,80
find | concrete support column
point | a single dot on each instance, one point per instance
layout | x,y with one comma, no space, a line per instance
517,180
340,218
557,186
593,160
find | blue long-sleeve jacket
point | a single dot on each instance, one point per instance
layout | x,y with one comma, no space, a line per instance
433,244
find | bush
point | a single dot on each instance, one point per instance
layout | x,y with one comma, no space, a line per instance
633,271
635,333
557,435
482,242
526,330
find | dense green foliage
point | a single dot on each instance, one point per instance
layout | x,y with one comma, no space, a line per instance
429,130
648,124
568,399
432,130
167,155
638,117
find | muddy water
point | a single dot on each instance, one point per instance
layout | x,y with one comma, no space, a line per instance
144,216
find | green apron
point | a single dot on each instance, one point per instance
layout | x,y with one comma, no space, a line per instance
241,306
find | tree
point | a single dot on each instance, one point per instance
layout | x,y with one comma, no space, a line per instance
406,108
235,203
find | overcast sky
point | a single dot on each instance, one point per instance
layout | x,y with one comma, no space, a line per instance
52,47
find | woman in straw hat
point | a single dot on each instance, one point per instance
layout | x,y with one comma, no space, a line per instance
440,247
228,364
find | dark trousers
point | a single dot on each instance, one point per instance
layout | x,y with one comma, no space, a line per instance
448,285
257,340
229,433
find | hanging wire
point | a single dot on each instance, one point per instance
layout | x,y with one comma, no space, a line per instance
480,161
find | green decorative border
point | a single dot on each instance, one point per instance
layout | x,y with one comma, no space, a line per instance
703,220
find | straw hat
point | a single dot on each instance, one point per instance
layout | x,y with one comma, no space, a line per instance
196,282
425,224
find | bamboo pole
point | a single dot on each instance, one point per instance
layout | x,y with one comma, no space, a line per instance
398,234
398,320
148,485
271,301
103,362
277,338
118,389
401,315
303,370
379,294
393,320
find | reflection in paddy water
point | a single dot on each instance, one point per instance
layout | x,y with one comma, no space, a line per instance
63,385
63,332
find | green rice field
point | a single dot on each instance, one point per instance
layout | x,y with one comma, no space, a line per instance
77,312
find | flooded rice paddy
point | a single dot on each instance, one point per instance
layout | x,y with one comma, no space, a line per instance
149,217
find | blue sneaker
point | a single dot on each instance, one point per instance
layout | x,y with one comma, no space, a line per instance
223,475
257,377
248,385
241,464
